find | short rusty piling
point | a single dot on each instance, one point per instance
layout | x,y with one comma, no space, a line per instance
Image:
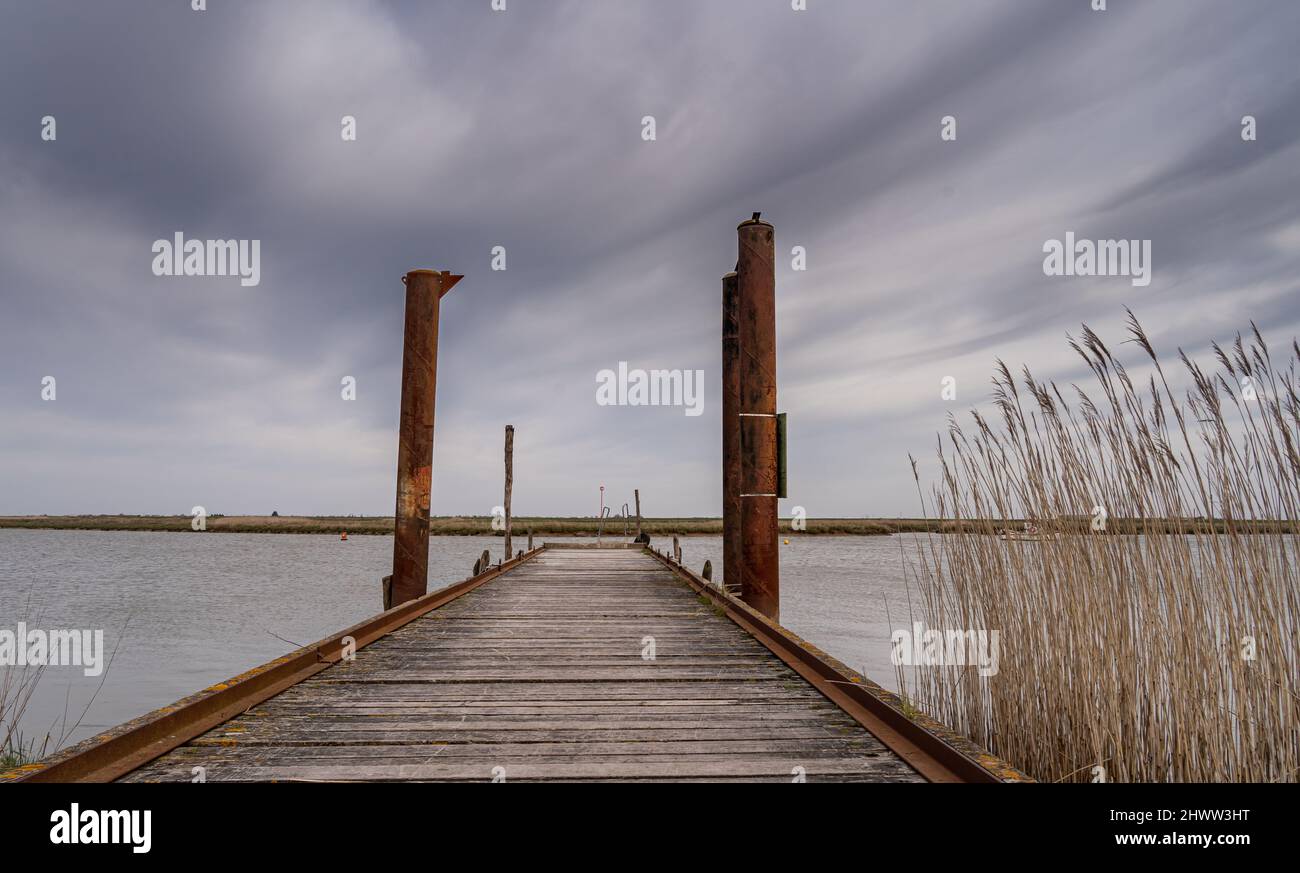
424,290
756,298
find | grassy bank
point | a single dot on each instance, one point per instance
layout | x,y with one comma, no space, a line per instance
552,526
459,525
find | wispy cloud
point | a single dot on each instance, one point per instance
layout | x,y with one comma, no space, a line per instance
522,129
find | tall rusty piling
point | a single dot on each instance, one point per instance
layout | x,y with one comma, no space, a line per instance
510,480
424,290
756,298
731,534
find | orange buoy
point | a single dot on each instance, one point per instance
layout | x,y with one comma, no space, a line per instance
344,536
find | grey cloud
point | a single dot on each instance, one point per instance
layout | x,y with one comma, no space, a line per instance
522,129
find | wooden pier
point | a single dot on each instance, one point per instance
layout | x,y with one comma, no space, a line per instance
569,664
612,663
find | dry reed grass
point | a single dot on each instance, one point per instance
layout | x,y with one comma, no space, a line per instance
1126,651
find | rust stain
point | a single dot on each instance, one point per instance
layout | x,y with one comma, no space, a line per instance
424,485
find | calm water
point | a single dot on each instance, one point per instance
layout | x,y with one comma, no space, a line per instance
186,611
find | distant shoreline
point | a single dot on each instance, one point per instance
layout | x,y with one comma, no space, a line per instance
459,525
465,525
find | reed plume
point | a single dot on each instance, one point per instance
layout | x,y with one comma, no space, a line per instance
1149,627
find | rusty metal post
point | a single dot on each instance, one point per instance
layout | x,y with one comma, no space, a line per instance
731,533
756,292
424,289
510,481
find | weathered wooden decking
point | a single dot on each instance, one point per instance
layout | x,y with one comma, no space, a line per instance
543,674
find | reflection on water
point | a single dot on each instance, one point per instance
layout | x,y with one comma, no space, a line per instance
184,611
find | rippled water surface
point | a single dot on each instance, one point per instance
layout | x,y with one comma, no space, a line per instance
185,611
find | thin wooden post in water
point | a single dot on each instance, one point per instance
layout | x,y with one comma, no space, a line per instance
756,285
530,539
510,481
424,290
677,550
637,492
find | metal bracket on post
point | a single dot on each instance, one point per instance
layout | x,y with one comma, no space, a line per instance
780,455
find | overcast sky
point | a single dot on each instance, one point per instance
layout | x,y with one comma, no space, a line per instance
523,129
